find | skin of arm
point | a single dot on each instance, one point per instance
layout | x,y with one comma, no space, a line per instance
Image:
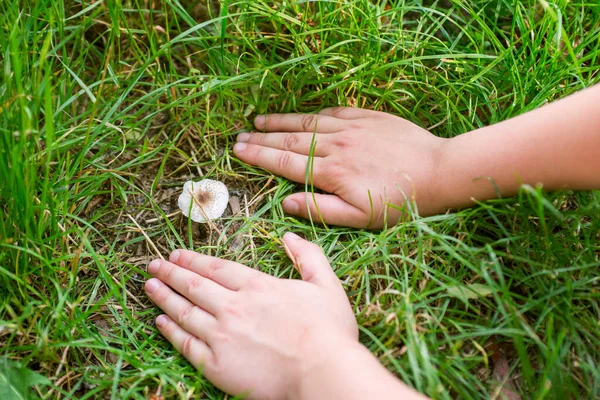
353,374
557,146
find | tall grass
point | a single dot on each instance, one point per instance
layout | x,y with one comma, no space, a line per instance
109,106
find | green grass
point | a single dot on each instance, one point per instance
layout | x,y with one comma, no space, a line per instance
107,107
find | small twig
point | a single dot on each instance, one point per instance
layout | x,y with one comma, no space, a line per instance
128,292
258,198
247,212
438,124
290,255
260,195
194,151
63,359
236,210
60,382
146,236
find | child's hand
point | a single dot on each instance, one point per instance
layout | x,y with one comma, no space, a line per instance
366,159
248,332
361,152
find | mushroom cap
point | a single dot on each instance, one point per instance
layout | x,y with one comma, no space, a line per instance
212,195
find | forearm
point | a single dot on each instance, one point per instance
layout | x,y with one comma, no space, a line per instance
353,373
557,146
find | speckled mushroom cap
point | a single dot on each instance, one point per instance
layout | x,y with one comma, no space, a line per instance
210,194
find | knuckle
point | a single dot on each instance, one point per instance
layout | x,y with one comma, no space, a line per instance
342,142
221,335
161,295
308,122
233,309
284,161
290,141
214,267
254,154
193,284
186,346
185,314
258,138
272,120
166,271
337,111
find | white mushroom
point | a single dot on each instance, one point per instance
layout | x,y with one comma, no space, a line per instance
206,199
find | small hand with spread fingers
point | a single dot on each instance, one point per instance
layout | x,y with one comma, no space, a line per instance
371,162
258,336
248,331
366,161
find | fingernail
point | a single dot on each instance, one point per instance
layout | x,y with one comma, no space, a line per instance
243,137
153,267
174,256
161,321
291,206
152,285
292,235
259,121
239,147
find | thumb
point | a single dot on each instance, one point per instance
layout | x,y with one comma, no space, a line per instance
327,208
310,261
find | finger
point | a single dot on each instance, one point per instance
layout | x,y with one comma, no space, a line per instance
195,350
188,316
298,142
298,123
350,113
326,208
310,261
284,163
201,291
226,273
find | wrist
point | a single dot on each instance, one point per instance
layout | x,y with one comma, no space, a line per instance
473,168
451,188
349,371
320,360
